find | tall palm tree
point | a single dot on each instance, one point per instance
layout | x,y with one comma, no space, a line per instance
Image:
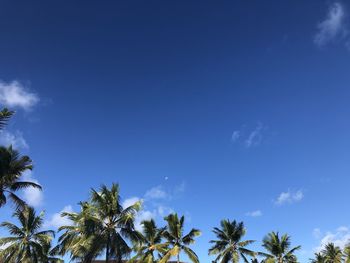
177,241
332,253
229,246
318,258
79,238
116,222
279,248
27,243
12,166
103,225
5,115
151,243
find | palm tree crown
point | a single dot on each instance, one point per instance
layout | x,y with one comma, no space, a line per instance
116,222
318,258
102,225
79,239
279,248
229,246
332,254
177,241
151,243
12,166
27,242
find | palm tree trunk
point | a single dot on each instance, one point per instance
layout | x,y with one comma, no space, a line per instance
107,251
178,258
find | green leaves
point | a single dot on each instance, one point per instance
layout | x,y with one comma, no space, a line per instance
27,243
150,244
229,246
279,248
12,166
103,225
5,115
177,240
332,253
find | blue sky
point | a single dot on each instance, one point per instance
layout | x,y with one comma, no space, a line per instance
213,109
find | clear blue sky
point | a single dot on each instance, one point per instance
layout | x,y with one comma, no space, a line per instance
214,109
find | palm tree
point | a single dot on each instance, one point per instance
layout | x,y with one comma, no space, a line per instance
229,246
116,223
346,253
5,115
319,258
12,166
279,248
102,225
332,253
27,243
151,242
79,239
177,241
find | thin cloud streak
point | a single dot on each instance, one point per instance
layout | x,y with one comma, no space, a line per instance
256,213
251,138
333,27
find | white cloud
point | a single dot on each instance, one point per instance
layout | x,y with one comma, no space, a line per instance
15,139
289,197
156,193
333,27
14,94
255,213
250,137
340,237
32,196
255,137
235,136
57,220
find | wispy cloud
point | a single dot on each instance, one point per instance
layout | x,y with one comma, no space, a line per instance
340,237
250,137
255,137
15,139
14,94
333,27
235,136
32,196
56,220
289,197
255,213
156,193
